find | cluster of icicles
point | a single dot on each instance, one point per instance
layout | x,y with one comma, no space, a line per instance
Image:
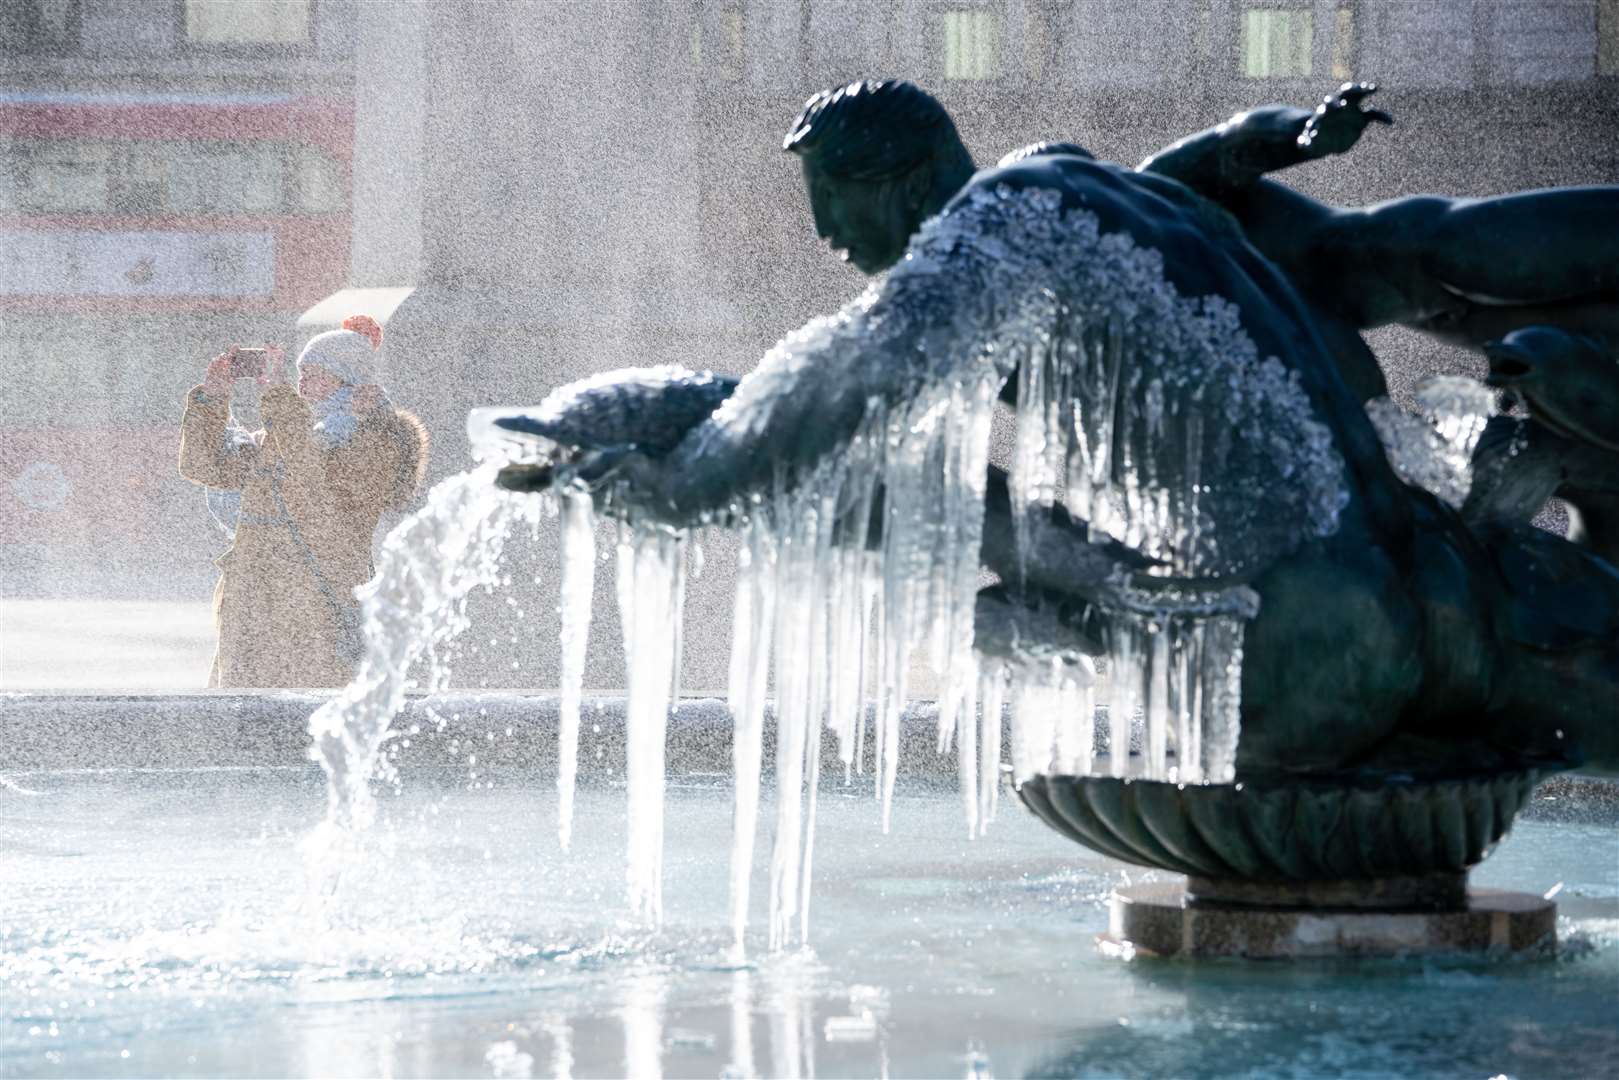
1116,379
830,619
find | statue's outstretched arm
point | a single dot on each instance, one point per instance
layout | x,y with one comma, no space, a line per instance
1233,156
808,398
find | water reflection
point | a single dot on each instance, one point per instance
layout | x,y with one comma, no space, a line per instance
741,1025
666,1028
642,1016
790,1004
556,1027
371,1048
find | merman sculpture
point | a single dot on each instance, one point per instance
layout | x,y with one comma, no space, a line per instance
1188,439
1537,267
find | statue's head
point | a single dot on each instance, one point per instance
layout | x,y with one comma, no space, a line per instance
879,159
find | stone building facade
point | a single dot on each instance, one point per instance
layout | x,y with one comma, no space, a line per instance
536,191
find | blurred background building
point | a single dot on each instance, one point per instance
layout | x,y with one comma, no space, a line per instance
529,191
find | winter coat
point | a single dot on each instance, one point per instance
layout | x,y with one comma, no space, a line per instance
277,626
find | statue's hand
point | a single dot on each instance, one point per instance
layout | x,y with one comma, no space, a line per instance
1339,120
525,477
634,484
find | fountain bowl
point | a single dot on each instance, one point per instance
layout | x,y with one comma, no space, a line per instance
1273,832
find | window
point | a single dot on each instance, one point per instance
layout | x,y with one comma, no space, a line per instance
319,182
971,44
1343,44
1276,43
42,27
247,22
55,177
140,178
144,176
225,178
1608,37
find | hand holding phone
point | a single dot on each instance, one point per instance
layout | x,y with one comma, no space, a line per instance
247,363
273,372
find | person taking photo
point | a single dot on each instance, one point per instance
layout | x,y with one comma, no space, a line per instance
333,456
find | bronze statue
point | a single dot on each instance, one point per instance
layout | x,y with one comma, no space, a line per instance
1535,267
1468,271
1404,634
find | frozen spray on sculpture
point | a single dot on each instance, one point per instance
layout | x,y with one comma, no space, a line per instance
1150,414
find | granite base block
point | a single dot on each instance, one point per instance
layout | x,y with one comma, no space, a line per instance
1157,919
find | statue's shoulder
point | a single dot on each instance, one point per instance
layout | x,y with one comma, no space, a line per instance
1043,149
1079,179
1122,198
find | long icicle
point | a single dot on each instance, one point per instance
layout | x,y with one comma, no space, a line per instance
578,583
651,573
752,630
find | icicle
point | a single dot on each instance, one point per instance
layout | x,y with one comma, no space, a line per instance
578,582
1076,721
850,621
1155,710
871,614
1189,738
821,561
967,766
813,734
1034,726
651,578
991,695
752,628
1124,688
797,705
1222,694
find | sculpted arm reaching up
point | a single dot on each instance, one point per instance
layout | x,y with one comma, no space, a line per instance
1465,270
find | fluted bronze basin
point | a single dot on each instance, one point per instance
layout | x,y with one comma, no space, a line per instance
1276,828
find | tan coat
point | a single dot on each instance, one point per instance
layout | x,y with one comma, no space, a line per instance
277,627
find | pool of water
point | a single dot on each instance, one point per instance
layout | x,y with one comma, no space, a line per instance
177,923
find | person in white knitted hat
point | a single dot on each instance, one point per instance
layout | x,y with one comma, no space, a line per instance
333,456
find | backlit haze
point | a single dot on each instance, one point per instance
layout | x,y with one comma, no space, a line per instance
526,193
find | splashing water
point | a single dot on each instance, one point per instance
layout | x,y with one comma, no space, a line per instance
414,605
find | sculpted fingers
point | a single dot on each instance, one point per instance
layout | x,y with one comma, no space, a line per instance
526,477
1351,96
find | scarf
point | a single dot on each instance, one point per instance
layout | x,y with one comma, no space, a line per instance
335,422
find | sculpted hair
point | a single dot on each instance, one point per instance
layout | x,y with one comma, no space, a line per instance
875,131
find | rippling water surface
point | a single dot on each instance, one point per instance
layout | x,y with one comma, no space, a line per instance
177,923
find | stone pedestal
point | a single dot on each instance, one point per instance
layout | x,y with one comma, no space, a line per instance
1164,919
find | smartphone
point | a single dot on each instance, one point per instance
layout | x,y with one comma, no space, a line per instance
248,363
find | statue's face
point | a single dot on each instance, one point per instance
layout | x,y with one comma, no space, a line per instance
868,222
